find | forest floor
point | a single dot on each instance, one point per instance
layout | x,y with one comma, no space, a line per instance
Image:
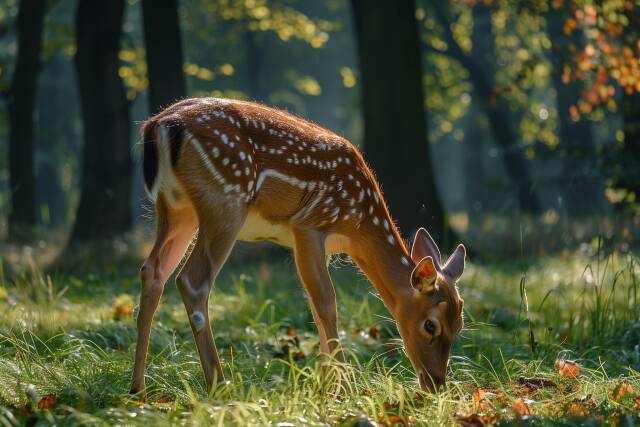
67,346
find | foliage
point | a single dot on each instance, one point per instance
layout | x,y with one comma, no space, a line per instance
67,349
608,60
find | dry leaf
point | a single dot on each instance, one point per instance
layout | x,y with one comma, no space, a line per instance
165,399
567,368
47,402
532,384
469,420
374,332
520,408
480,402
620,391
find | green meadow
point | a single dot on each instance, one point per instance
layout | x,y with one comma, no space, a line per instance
550,341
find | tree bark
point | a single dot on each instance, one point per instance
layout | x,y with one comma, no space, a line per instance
479,66
576,138
163,44
21,106
395,138
106,169
630,151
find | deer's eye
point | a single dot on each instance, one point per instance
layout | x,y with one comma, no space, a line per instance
430,326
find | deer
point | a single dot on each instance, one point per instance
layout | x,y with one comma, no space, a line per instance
225,170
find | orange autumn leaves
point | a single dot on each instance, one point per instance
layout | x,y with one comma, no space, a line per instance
567,368
609,57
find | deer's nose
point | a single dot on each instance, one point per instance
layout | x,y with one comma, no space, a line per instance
431,382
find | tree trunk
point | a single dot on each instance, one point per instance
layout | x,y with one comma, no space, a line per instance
479,66
395,139
253,61
576,138
163,44
630,152
106,169
21,106
629,163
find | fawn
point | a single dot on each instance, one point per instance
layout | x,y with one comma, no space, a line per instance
233,170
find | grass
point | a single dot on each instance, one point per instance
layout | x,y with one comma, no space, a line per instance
67,345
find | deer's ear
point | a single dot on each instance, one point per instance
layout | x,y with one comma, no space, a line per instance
454,266
424,275
423,246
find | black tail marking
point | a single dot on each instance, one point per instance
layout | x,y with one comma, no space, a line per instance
175,130
149,154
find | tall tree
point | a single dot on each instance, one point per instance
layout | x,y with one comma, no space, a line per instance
630,152
576,137
480,65
163,44
395,138
21,106
106,168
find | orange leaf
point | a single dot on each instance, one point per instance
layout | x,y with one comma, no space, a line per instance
47,402
165,399
469,420
567,368
374,331
291,332
480,402
520,408
397,419
620,391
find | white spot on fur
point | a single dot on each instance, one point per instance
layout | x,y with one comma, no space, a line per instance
198,320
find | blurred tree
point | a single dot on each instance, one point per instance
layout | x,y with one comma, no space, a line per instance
576,137
163,44
392,100
629,180
608,65
481,67
103,210
21,106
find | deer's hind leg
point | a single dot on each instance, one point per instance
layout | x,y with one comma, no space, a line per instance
174,231
216,236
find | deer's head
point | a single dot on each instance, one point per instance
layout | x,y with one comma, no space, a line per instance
430,317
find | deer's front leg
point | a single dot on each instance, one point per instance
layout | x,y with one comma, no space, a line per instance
311,261
174,233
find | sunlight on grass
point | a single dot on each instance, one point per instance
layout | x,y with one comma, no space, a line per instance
67,344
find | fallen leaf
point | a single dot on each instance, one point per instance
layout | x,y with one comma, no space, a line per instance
397,419
501,396
520,407
568,368
619,391
471,420
577,409
122,306
481,404
165,399
47,402
535,383
374,332
478,395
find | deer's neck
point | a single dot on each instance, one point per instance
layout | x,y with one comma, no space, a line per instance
383,257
